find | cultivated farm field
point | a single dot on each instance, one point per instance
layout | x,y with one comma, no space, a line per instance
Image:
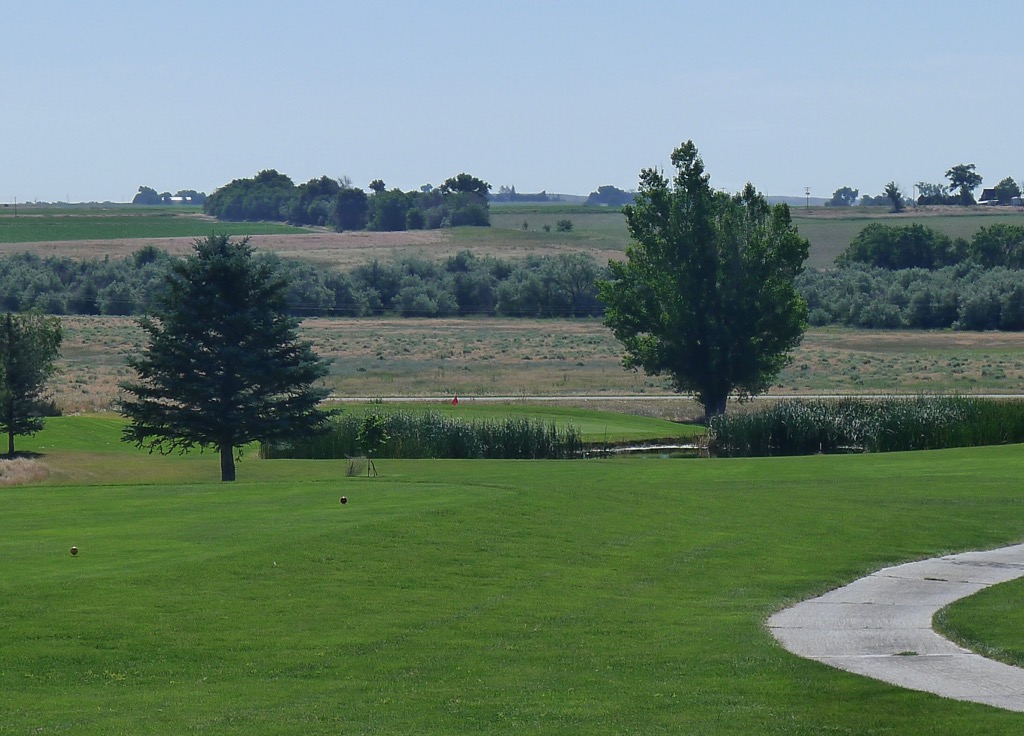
118,232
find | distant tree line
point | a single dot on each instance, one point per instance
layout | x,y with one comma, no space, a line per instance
326,202
509,194
463,285
963,180
148,195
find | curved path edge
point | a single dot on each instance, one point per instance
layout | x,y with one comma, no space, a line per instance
881,627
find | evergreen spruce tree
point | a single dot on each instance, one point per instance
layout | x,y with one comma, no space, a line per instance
224,366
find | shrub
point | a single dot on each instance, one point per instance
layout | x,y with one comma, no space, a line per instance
433,435
901,246
867,425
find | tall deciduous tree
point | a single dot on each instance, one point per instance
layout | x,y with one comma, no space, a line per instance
966,179
29,347
894,194
1006,190
465,184
706,292
844,197
224,366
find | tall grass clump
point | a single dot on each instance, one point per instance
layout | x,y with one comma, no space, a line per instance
433,435
890,424
21,470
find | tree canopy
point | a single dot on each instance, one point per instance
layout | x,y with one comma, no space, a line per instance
1006,190
964,178
609,196
894,194
844,197
223,366
706,292
322,202
902,246
29,347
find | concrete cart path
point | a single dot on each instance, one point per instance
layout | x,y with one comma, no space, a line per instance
881,627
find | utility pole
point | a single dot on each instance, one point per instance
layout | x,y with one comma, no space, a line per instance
807,194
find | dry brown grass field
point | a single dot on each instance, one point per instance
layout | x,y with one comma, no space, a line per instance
374,358
21,470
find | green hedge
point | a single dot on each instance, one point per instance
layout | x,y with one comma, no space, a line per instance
867,425
432,435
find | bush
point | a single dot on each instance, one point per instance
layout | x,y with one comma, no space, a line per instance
867,425
433,435
902,246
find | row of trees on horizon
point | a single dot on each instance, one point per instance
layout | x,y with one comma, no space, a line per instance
336,202
327,202
963,179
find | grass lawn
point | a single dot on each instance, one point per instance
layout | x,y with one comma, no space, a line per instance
589,597
991,622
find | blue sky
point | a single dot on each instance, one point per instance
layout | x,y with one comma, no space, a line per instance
102,97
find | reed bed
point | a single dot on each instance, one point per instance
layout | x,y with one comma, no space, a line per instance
433,435
890,424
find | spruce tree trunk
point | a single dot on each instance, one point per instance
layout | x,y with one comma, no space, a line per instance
227,462
10,443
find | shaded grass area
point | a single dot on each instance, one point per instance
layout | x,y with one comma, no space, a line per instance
599,597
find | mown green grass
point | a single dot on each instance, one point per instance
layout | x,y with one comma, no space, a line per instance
990,622
593,597
107,225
